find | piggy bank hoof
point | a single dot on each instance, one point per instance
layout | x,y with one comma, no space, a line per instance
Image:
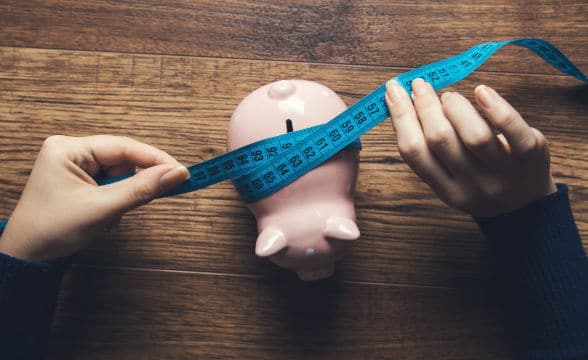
316,273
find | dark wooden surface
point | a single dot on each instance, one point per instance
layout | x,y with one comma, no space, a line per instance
178,278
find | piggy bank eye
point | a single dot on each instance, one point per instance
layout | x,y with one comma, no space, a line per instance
289,127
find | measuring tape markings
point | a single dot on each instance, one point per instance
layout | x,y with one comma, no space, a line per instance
266,166
372,110
257,177
234,163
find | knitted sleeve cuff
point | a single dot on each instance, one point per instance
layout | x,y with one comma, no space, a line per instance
543,272
28,294
523,230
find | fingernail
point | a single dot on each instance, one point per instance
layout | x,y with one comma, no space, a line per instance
174,176
445,95
419,86
394,90
486,96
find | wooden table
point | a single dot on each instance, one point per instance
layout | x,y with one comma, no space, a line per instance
178,279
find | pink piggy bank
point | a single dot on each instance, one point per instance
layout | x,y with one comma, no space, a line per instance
309,224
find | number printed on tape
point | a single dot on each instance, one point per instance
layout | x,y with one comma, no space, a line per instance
264,167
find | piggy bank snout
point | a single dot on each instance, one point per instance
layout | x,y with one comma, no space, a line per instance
313,254
273,239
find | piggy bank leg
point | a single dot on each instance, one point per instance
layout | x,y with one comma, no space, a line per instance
316,273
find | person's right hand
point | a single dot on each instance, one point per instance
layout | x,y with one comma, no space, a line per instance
62,208
459,155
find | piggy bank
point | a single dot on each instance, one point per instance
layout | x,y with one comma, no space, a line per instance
309,224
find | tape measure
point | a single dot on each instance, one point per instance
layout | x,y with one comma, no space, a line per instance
371,110
233,164
264,167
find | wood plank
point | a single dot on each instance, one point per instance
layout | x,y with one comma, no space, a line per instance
376,32
182,105
134,314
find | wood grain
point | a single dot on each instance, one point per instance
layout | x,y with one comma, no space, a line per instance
375,32
182,105
136,314
178,278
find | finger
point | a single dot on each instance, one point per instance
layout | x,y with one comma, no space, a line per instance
114,150
504,143
507,120
473,131
141,188
411,141
438,131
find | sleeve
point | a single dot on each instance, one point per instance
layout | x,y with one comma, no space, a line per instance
543,273
28,294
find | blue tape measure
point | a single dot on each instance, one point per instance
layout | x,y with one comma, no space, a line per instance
264,167
240,161
328,139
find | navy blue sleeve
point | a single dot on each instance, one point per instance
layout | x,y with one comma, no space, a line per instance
541,263
28,293
543,273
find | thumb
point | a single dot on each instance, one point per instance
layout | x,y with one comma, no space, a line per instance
143,187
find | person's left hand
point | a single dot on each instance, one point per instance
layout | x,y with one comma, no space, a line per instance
62,208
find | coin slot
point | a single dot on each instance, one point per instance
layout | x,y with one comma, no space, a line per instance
289,127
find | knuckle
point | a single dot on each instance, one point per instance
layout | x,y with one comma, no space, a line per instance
443,193
141,192
118,141
122,138
449,105
425,102
399,109
493,190
54,140
159,156
540,139
411,150
439,138
528,145
479,138
121,141
507,119
53,144
459,199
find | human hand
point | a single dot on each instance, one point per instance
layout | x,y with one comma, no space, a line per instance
62,209
447,143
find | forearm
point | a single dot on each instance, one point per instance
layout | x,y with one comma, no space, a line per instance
544,275
28,293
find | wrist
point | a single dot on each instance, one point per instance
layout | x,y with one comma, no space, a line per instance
551,187
12,246
7,248
510,201
534,208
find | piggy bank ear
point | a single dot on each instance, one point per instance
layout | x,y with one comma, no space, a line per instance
341,228
269,242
